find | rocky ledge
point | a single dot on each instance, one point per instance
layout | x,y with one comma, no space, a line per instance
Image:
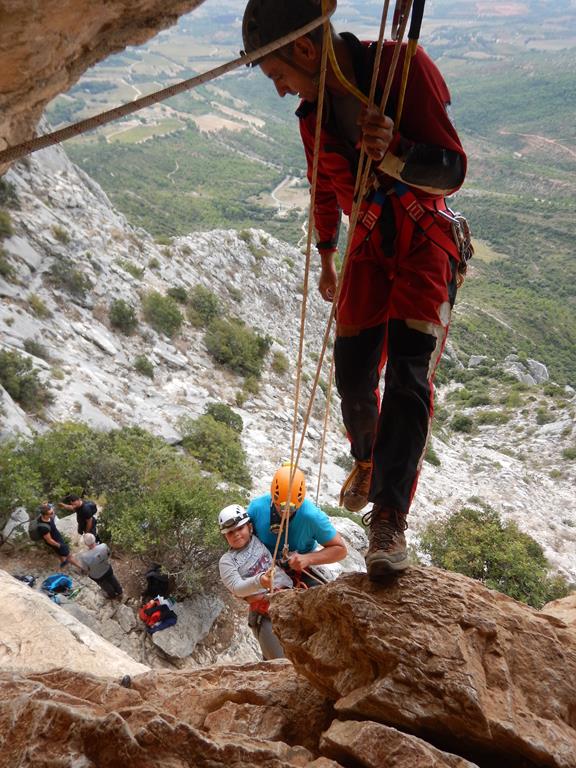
429,670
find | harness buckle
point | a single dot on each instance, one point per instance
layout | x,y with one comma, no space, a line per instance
461,234
415,210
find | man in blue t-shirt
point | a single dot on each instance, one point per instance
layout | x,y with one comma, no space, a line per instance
307,525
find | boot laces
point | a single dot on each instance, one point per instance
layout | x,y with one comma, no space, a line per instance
385,525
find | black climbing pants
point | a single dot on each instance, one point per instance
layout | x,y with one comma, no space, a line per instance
109,584
393,433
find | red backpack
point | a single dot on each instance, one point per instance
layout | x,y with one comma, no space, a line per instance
150,613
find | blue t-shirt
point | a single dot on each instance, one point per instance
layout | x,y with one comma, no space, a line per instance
308,526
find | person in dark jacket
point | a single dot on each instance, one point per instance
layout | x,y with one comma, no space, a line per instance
86,511
401,275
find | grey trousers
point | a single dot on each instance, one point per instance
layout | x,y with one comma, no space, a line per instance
261,627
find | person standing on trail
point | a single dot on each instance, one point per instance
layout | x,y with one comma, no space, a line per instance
96,561
308,526
401,276
246,571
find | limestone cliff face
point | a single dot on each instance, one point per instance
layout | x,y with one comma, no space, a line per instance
45,46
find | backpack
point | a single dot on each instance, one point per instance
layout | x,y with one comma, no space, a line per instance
58,582
157,583
29,580
154,611
33,531
150,613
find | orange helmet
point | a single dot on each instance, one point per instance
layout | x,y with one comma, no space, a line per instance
280,488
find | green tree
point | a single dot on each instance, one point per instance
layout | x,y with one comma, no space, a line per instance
178,293
217,447
64,276
203,306
280,364
462,423
123,316
6,228
478,544
223,413
144,366
174,522
20,484
63,458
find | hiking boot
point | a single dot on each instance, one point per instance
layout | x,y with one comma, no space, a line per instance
354,493
387,552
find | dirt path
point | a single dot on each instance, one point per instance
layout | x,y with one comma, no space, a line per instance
540,139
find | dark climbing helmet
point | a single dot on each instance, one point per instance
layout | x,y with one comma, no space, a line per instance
267,20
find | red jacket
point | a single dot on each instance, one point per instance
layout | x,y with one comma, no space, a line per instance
424,120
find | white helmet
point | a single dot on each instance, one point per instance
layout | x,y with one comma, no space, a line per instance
232,517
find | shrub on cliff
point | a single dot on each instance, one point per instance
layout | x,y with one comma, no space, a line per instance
162,313
20,379
237,346
477,543
217,447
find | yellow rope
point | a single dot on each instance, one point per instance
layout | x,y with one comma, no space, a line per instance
362,176
408,56
325,427
56,137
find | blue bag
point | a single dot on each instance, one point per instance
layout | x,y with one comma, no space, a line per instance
57,582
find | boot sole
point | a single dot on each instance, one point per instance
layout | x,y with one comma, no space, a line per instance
354,506
380,569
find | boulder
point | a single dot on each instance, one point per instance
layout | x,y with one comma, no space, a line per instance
12,418
32,74
373,745
195,619
538,371
16,524
439,655
563,609
42,636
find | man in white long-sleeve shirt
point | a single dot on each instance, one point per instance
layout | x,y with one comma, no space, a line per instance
246,570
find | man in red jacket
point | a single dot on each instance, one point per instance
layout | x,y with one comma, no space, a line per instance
400,281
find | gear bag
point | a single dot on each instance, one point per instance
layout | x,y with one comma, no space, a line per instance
56,583
33,531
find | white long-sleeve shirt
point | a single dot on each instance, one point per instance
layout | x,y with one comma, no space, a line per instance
240,570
